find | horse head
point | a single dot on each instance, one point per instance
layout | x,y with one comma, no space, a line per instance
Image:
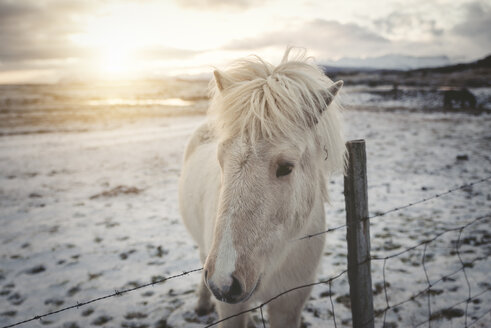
277,140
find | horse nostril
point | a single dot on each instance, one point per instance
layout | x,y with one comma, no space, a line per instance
232,293
236,289
206,275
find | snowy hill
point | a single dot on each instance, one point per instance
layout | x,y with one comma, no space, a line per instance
391,62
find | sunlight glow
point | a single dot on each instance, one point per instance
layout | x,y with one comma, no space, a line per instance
115,61
116,39
129,40
174,102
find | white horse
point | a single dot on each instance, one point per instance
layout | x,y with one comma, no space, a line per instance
254,180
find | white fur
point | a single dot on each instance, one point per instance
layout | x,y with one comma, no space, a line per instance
244,219
226,258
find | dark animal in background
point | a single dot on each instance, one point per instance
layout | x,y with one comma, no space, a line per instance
462,98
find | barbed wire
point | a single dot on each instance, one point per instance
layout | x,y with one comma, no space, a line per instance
260,306
395,209
427,241
329,281
427,290
421,292
474,297
394,255
449,191
322,232
116,293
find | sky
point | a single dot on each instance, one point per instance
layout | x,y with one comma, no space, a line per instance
58,40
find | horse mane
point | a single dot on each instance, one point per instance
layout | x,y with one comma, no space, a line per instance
278,103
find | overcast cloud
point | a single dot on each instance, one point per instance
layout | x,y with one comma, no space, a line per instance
36,30
400,24
327,37
413,32
477,23
40,34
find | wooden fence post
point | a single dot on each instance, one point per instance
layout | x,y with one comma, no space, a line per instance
358,236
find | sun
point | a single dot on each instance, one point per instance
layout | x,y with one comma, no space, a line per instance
116,51
115,61
114,56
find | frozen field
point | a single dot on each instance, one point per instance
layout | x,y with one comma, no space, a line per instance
92,208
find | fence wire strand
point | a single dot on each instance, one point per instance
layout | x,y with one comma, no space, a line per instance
329,281
419,293
116,293
424,200
479,318
260,306
457,249
424,242
455,305
385,291
396,209
385,284
262,317
427,241
428,295
332,305
427,290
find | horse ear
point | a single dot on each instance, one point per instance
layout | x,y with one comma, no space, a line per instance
329,96
332,91
222,81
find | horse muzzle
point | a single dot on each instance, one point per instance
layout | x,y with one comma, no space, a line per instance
229,290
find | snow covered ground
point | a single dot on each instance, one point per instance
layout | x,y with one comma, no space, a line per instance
85,212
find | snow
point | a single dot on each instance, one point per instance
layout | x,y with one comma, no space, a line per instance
88,209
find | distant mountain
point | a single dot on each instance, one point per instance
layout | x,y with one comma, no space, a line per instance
389,62
473,74
484,63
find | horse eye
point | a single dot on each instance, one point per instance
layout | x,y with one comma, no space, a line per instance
284,169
